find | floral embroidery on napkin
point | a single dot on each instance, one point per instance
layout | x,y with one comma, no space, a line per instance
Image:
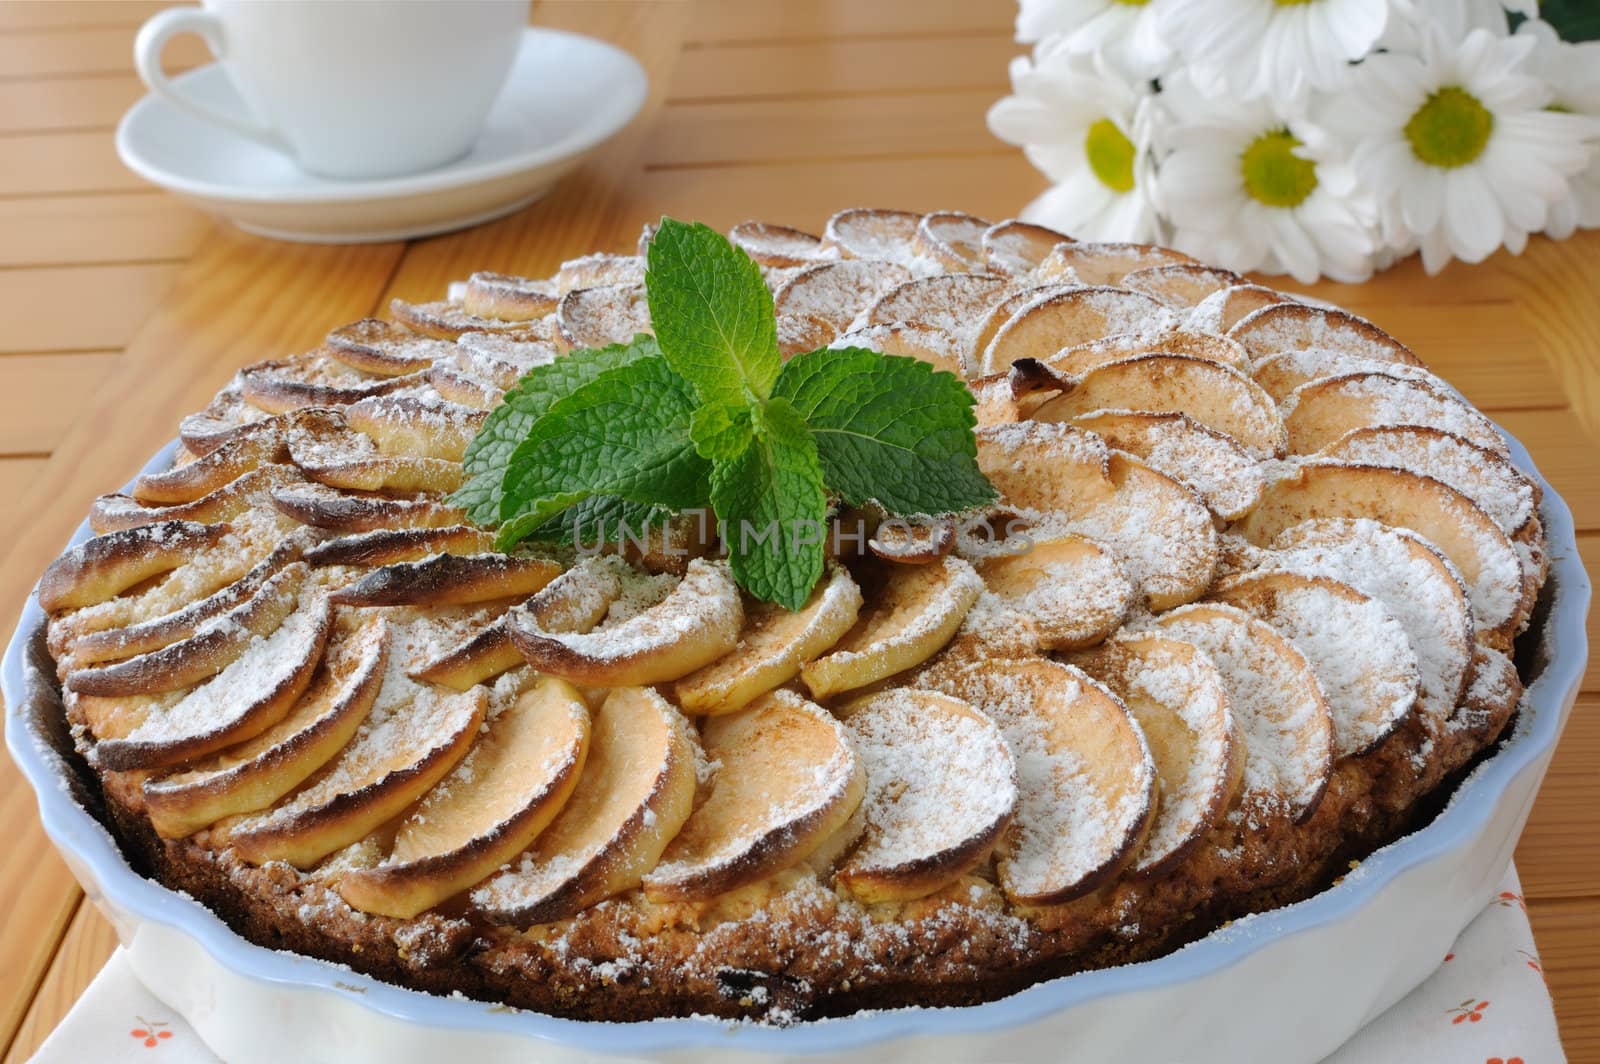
151,1031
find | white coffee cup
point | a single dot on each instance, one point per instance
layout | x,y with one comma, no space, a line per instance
350,88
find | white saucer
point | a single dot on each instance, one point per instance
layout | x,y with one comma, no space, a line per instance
566,94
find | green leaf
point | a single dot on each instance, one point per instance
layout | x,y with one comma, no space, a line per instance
712,313
1573,20
721,432
600,519
772,509
509,423
625,433
889,429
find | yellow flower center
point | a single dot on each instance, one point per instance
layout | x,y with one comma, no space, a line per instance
1451,129
1133,3
1274,174
1292,3
1110,155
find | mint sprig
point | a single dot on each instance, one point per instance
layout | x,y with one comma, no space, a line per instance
623,434
708,413
508,425
889,430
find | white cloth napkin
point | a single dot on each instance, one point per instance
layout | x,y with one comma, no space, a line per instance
1487,1003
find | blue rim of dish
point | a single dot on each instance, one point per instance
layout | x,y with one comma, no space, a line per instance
75,830
619,106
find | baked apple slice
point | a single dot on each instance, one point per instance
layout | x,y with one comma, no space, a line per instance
635,793
384,348
507,789
1278,702
1160,531
1086,782
504,297
915,613
1357,648
941,786
697,622
1080,360
1214,395
1221,311
926,343
446,320
835,292
952,239
215,645
336,510
1212,463
114,512
873,233
788,778
1068,591
1180,284
587,271
387,546
1069,481
774,645
1017,247
996,316
416,427
951,302
107,565
498,359
776,245
209,472
1487,560
288,385
257,773
1180,702
1500,489
243,700
603,315
1045,326
413,737
1319,412
164,629
450,580
1102,263
1291,326
1412,580
1281,374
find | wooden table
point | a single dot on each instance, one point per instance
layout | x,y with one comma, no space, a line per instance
122,309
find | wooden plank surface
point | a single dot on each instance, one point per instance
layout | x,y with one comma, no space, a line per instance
125,308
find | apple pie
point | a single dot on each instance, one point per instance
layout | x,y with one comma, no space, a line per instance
1243,611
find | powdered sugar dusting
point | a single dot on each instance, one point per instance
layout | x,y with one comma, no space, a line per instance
936,778
1275,698
1415,583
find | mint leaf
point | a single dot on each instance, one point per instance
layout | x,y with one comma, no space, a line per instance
712,314
600,519
509,423
721,432
625,433
888,429
772,509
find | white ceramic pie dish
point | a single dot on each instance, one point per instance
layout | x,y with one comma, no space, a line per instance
1422,890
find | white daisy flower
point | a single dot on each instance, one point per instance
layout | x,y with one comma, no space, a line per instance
1123,30
1573,73
1456,18
1250,48
1089,131
1254,186
1456,145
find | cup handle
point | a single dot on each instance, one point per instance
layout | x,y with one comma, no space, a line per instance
153,37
